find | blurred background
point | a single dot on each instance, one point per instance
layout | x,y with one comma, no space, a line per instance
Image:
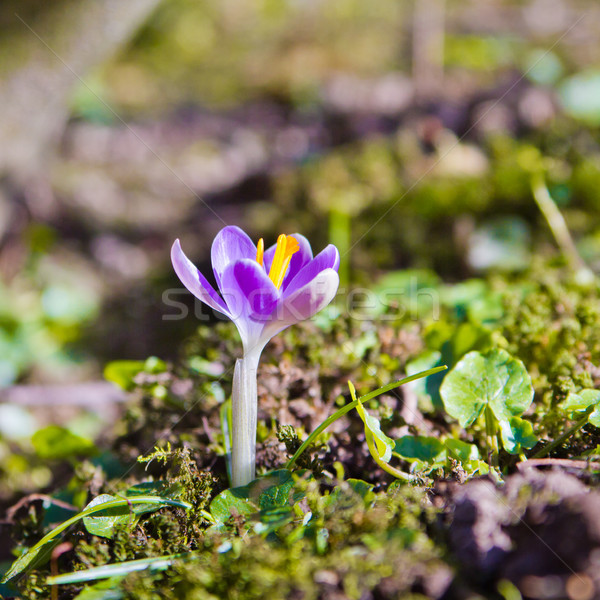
404,132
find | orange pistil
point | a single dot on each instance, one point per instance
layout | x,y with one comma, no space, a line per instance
260,251
286,247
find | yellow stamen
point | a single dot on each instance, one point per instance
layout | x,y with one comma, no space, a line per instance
286,247
260,251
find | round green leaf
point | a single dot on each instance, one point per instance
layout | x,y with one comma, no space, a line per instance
493,379
581,401
516,434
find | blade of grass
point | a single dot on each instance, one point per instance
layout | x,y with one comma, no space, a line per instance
557,224
565,436
159,563
348,407
225,416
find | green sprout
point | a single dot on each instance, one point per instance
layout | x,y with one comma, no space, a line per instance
356,402
380,445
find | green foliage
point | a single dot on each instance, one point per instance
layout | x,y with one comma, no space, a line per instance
462,451
496,387
380,446
446,209
552,323
268,500
579,96
420,448
40,552
283,529
38,321
585,400
105,524
376,439
58,443
123,372
517,434
325,531
360,539
103,590
478,381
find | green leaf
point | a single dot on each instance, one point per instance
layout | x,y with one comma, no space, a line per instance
493,379
477,467
264,495
383,444
122,372
363,489
232,502
467,455
345,494
410,288
426,388
276,489
57,443
420,447
466,337
104,590
40,552
271,519
452,344
516,434
581,401
461,451
104,524
580,96
502,243
35,557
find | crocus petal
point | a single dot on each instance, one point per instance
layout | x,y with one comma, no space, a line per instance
314,296
248,292
299,259
303,303
328,258
230,245
256,287
194,281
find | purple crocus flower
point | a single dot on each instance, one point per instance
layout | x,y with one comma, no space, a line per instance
262,292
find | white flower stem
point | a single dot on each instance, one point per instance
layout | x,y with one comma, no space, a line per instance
243,429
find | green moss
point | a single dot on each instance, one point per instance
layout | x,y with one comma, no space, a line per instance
553,324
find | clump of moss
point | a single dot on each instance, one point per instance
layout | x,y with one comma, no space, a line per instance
167,531
307,460
552,323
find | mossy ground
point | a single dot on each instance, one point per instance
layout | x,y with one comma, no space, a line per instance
390,540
